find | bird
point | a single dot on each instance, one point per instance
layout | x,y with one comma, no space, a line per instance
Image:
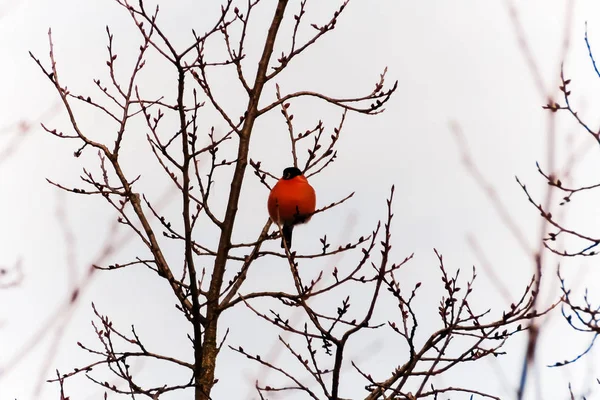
292,201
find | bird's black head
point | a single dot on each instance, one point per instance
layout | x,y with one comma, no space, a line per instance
291,172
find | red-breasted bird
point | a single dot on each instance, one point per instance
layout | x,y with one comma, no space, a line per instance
292,201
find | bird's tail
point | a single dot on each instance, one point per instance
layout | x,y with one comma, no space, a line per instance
287,236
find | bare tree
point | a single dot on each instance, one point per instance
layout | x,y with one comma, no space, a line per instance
190,152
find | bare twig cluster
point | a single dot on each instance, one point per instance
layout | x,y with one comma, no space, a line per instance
561,237
465,334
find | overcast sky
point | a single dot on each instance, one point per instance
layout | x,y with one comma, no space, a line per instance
455,61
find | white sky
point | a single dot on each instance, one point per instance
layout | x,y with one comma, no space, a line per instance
454,60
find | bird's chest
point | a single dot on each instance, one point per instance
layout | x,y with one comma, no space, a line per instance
290,199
